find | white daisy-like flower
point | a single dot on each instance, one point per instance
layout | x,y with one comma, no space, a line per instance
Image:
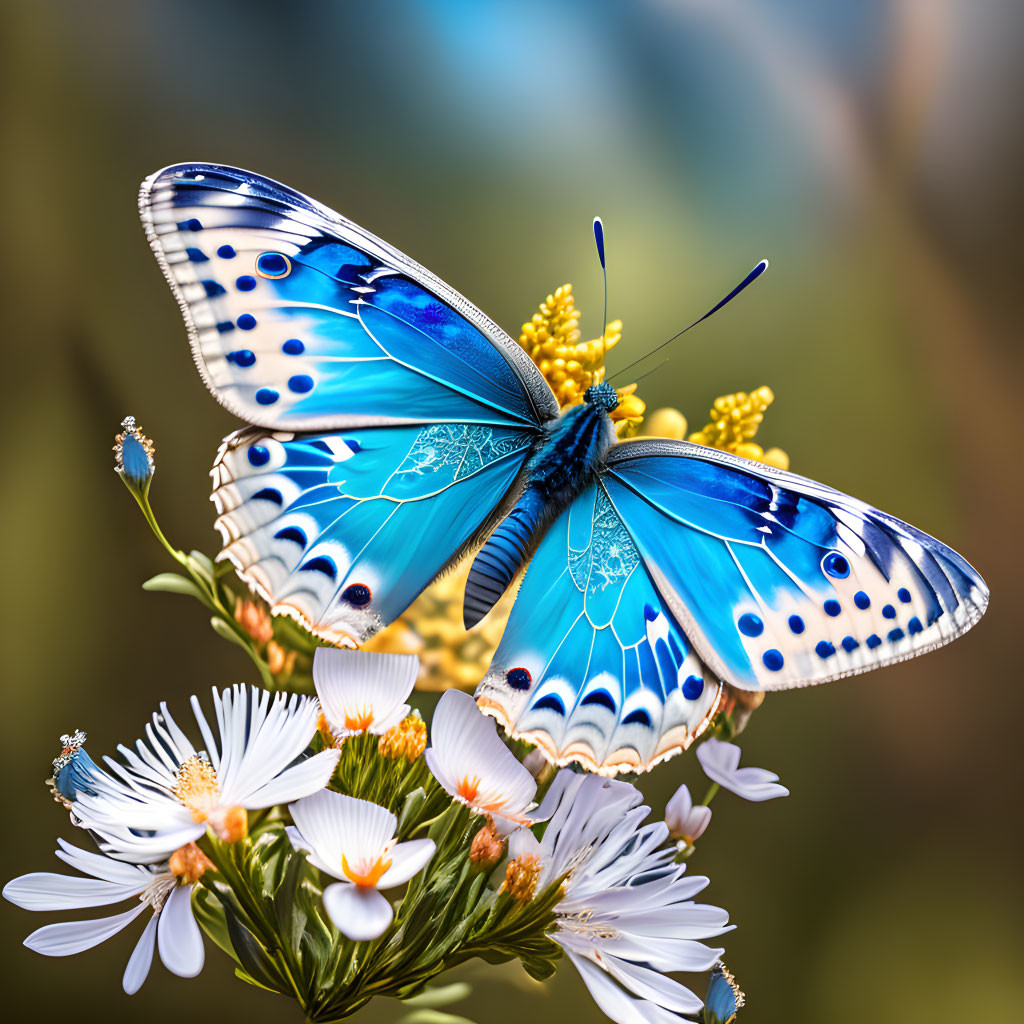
721,764
363,692
627,914
469,760
354,840
103,881
685,821
168,793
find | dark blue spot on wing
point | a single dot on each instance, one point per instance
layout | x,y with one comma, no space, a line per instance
212,288
258,455
833,608
650,613
322,446
293,347
637,717
358,595
190,225
550,703
693,687
861,600
292,533
773,660
889,612
914,625
196,255
245,283
321,564
873,641
904,595
850,644
750,625
836,565
600,697
824,649
300,383
518,678
226,252
246,322
243,357
796,624
269,494
896,634
267,396
353,445
225,326
272,264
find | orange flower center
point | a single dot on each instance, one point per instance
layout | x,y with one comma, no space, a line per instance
195,785
358,719
364,874
469,787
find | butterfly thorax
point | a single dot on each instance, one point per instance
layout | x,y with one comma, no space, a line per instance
567,457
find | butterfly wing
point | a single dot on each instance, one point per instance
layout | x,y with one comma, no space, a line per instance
342,530
301,320
593,666
779,581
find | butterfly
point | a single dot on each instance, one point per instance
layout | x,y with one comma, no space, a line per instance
724,998
393,428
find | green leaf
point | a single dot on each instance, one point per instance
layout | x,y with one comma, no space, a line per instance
253,957
210,914
433,1017
203,562
410,810
441,995
172,583
222,629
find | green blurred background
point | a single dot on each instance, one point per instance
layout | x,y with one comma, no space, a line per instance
871,150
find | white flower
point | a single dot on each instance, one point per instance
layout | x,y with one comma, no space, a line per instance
469,760
168,793
628,914
362,692
721,761
354,840
686,822
171,926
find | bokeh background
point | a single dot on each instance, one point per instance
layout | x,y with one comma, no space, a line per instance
871,150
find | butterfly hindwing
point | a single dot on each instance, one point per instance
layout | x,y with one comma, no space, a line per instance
593,667
300,320
342,530
779,581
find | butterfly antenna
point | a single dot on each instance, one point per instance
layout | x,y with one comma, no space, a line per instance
599,240
748,280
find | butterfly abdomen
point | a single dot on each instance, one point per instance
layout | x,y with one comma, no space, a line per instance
560,468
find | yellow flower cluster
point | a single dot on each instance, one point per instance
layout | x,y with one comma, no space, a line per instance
521,877
734,422
406,740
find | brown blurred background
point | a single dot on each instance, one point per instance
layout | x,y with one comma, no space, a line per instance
872,151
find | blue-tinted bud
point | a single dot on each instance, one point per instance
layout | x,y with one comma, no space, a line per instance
74,771
133,455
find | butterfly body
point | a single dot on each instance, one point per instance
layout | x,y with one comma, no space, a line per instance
393,426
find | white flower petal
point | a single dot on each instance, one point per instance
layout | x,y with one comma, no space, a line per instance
406,860
71,937
303,779
101,867
353,683
357,912
523,842
614,1002
648,984
45,890
720,762
141,959
181,942
303,846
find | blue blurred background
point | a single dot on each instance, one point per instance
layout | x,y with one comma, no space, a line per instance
872,151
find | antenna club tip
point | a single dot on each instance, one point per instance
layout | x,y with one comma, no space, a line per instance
599,238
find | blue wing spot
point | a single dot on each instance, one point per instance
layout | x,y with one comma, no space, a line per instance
849,644
353,445
796,624
267,396
773,660
824,649
873,641
833,608
889,612
246,322
518,678
550,703
225,326
638,717
358,595
904,595
245,283
258,455
190,225
835,565
226,252
212,289
292,533
293,347
914,625
269,494
321,446
273,264
196,255
693,687
321,564
650,613
243,357
602,697
861,600
750,625
300,383
896,634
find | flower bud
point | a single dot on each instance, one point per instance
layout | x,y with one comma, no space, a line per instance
189,863
279,661
487,847
408,739
133,457
521,877
229,825
255,620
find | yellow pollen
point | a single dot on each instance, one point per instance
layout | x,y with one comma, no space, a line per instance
195,785
367,877
407,739
521,877
735,420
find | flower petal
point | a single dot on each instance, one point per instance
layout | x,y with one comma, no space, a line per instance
357,912
71,937
46,890
614,1002
181,942
720,762
305,778
406,860
141,959
347,681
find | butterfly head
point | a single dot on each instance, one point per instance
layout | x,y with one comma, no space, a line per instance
603,395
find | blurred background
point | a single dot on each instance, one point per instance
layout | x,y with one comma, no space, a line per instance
872,151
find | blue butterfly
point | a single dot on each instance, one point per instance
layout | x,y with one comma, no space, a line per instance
724,998
394,427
